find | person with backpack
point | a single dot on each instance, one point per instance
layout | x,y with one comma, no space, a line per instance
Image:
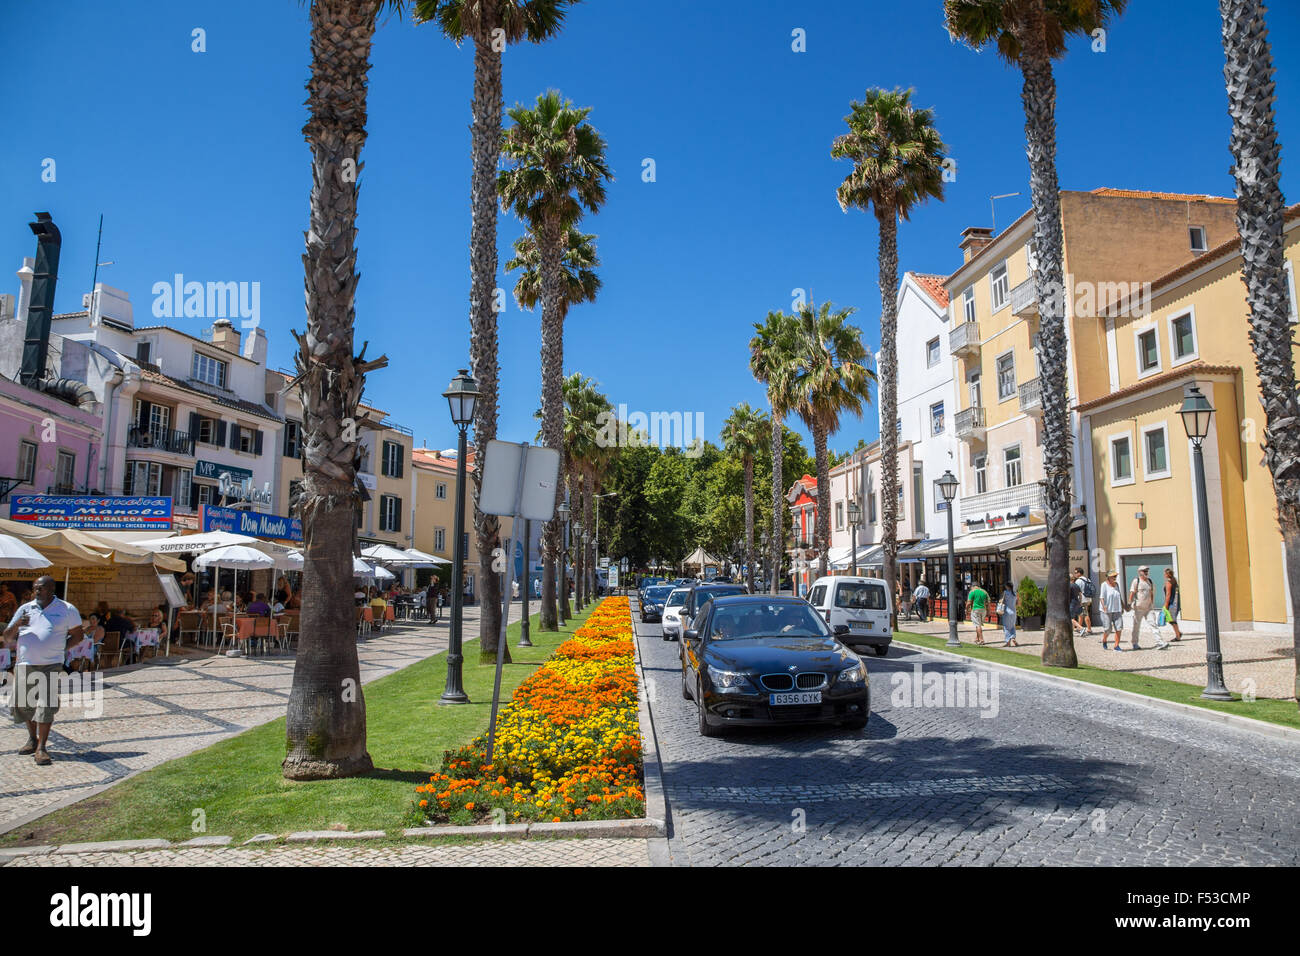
1082,594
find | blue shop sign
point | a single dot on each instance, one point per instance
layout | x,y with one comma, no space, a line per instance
251,523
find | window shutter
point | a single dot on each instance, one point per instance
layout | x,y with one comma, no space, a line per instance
234,436
398,456
397,513
145,409
257,442
221,432
194,426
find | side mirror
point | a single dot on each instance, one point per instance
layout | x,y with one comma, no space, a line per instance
692,634
840,629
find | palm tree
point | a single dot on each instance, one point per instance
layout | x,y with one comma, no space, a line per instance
1260,208
743,434
830,380
579,446
579,264
897,163
771,352
490,25
325,729
1031,34
557,172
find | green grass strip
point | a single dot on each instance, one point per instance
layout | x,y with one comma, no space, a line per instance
1282,712
237,785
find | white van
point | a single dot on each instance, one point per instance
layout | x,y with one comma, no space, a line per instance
863,605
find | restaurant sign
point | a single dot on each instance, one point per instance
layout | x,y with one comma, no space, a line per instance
1031,563
93,513
215,471
251,523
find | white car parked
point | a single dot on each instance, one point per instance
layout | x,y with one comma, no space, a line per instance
860,604
672,616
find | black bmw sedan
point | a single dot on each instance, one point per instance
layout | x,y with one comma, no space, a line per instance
652,602
756,660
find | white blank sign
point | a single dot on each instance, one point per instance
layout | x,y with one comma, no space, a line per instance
541,471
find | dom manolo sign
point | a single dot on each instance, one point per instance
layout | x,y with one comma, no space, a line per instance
251,523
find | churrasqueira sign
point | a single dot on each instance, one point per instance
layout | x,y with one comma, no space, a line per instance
110,513
252,524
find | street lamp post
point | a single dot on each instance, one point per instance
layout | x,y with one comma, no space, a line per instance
608,494
1196,412
524,640
855,513
461,395
560,577
947,485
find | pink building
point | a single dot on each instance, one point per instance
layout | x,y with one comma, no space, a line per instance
47,444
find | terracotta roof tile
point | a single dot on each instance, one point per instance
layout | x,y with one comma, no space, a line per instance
1157,381
933,286
1148,194
229,401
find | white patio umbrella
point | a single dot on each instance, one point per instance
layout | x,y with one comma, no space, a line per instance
293,561
424,559
235,556
16,554
362,568
190,543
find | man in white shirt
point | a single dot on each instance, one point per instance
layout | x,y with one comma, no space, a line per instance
45,628
1112,609
1141,596
921,597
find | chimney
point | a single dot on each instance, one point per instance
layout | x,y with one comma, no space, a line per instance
255,346
224,336
40,309
973,239
25,288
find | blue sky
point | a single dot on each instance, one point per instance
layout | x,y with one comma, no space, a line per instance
197,162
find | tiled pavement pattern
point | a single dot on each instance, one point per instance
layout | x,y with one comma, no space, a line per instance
495,853
1058,776
156,711
1263,664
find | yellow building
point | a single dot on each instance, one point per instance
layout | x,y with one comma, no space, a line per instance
1115,241
1141,492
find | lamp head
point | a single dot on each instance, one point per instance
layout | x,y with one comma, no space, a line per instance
462,395
1196,412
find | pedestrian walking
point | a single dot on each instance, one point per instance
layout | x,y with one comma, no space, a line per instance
1007,615
1171,607
978,599
1112,609
1141,597
1081,594
45,628
921,599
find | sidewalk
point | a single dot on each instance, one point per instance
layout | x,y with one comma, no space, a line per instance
1263,664
153,712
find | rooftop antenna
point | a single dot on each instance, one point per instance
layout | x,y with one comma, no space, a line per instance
94,276
993,212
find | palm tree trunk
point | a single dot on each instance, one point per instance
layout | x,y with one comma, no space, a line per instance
326,729
549,247
563,574
1039,97
588,507
823,497
485,140
1260,208
749,522
888,373
778,494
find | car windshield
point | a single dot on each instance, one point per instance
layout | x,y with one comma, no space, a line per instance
706,594
867,597
766,620
678,597
658,593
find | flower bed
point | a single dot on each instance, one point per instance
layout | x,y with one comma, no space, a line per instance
568,743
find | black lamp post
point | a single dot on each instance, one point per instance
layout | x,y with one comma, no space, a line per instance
1196,412
524,640
947,485
855,513
561,577
461,395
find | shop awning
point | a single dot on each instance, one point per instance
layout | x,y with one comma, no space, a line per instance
58,545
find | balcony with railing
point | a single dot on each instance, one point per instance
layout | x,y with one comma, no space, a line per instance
969,423
964,339
160,439
1003,500
1031,397
1024,300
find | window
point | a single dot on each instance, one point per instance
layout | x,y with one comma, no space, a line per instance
440,539
1182,337
464,546
1031,256
209,432
968,304
932,352
976,396
999,289
1006,375
141,353
1011,466
440,491
1121,460
27,461
210,370
1148,351
936,418
839,516
207,495
1197,236
182,492
246,439
871,507
64,473
898,428
1155,446
390,513
1290,289
292,439
979,463
391,465
142,478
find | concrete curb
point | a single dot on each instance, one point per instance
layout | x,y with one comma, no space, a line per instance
656,803
312,836
1189,710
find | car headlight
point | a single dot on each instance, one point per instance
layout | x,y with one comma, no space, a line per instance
727,680
856,674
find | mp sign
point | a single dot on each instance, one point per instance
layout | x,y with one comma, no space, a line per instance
93,513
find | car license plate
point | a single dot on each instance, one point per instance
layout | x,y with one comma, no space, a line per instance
860,625
796,697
